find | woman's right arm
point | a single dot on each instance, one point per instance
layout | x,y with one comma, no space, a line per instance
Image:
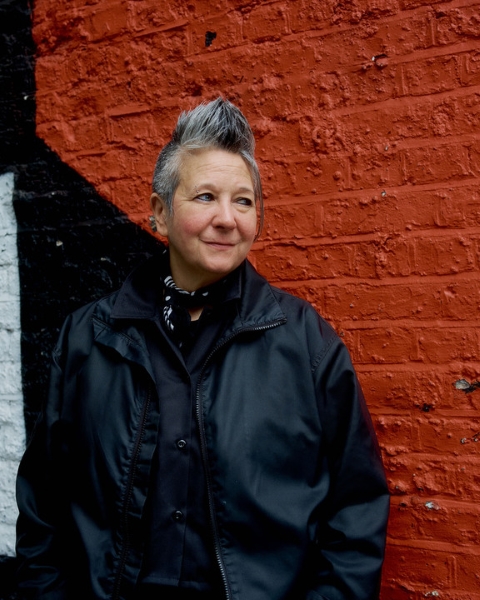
42,497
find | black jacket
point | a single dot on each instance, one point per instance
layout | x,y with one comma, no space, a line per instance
297,493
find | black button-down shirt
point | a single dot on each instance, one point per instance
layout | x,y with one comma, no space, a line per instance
179,543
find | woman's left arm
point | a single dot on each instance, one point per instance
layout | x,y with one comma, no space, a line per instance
351,537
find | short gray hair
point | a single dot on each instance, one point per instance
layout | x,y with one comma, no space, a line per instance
218,124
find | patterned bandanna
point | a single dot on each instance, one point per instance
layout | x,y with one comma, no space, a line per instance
177,301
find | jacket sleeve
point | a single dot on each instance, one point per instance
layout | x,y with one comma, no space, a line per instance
41,489
351,533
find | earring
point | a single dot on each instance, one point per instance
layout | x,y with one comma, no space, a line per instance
153,223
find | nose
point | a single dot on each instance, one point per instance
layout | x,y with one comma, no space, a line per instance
224,215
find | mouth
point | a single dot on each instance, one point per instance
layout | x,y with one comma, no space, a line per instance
220,245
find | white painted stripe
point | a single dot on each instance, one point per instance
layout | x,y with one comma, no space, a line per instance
12,424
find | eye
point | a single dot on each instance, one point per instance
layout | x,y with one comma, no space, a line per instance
206,197
245,201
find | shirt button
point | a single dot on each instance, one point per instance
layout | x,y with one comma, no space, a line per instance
181,444
177,516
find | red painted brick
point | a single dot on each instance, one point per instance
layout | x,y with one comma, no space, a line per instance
298,175
332,260
305,15
467,475
394,257
311,291
453,208
57,29
409,4
393,345
434,75
406,33
448,435
250,66
356,12
398,345
455,25
95,63
120,61
441,345
410,472
274,112
437,519
227,27
456,301
87,133
284,262
408,393
131,128
105,22
375,170
265,22
55,132
412,567
145,15
454,116
474,156
134,194
113,165
477,251
442,256
361,42
468,569
470,74
397,212
445,207
365,84
395,427
291,262
290,221
437,163
407,119
82,103
53,71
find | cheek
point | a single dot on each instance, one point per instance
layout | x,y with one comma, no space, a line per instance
188,227
249,228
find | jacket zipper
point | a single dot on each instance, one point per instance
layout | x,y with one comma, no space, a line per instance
128,495
203,448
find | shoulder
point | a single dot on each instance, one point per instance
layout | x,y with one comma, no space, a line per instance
299,314
328,354
78,331
306,328
100,309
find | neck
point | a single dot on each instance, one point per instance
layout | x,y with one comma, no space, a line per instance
195,313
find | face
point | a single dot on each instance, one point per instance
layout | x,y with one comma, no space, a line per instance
214,218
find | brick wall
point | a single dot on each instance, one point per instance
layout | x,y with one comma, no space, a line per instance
366,114
12,426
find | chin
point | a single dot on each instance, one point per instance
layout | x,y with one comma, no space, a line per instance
222,270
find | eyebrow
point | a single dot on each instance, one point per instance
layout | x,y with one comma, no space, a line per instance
211,186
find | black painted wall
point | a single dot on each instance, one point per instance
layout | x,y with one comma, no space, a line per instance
73,246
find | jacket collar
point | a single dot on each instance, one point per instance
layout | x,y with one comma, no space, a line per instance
258,307
140,297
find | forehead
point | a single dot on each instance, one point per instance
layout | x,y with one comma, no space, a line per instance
214,164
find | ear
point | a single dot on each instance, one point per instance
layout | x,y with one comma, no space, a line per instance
160,212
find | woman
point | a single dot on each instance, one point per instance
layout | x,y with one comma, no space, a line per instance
205,435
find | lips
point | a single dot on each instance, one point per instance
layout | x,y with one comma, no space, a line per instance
220,245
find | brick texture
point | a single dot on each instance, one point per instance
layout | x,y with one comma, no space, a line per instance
367,119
